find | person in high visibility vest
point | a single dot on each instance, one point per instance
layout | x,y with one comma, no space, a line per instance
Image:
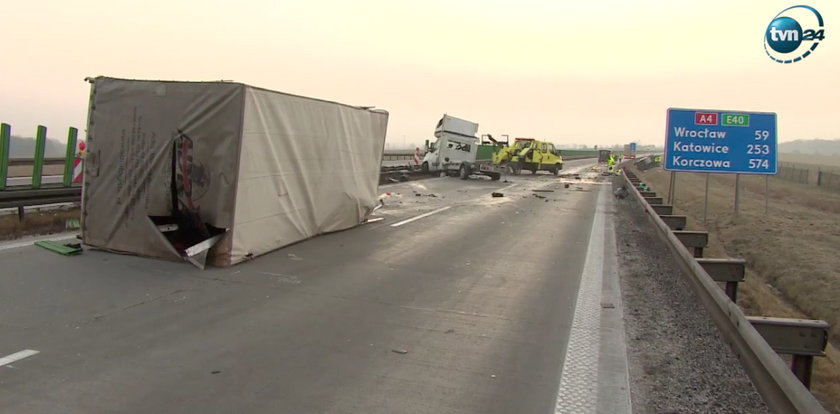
611,162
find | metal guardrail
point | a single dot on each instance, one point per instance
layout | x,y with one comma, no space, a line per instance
781,390
41,196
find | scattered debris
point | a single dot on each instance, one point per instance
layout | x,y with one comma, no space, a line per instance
566,186
373,220
505,181
449,331
541,190
393,180
492,375
69,249
399,351
294,256
72,224
607,305
215,372
495,194
538,196
431,195
381,204
621,192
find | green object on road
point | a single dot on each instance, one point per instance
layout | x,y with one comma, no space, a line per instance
65,249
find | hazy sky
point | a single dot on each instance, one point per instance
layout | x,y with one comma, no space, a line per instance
596,72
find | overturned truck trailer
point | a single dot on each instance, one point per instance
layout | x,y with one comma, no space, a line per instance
221,172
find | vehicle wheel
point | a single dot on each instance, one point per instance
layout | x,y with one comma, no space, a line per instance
495,177
557,168
464,172
424,168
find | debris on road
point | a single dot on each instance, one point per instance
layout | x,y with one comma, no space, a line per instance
541,190
538,196
620,192
449,331
495,194
373,220
566,185
399,351
69,249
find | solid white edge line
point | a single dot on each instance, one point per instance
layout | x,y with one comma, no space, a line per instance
17,356
420,216
578,389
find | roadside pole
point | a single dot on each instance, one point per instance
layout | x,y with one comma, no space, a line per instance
706,200
671,186
766,192
5,136
69,157
38,158
737,192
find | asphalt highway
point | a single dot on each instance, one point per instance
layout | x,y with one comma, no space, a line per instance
455,302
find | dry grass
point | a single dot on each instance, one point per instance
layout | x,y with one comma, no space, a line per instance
791,251
36,222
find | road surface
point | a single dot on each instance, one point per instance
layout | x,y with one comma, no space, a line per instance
456,302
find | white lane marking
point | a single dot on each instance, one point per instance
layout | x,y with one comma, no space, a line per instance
31,240
420,216
578,391
510,186
17,356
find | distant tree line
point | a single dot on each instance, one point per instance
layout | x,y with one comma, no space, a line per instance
23,147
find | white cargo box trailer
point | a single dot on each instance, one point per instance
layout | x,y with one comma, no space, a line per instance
176,167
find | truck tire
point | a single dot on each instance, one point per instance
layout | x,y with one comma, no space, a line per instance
464,172
557,168
495,176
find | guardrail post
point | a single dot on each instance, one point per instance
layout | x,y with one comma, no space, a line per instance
674,222
804,339
5,136
662,209
729,271
653,200
696,240
38,159
802,367
70,156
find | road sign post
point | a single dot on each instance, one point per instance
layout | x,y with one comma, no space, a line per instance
714,141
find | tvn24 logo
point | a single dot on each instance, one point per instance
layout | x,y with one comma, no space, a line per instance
793,34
